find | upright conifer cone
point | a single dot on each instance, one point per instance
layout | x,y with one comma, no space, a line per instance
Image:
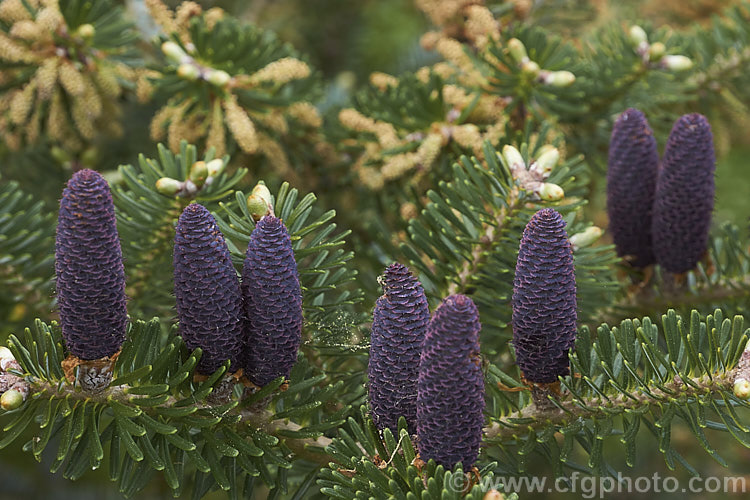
273,302
398,329
684,195
544,299
209,301
450,387
631,181
90,273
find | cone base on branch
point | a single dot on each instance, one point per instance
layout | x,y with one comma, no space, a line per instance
91,375
222,392
540,393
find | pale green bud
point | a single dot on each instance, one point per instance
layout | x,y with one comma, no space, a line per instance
585,237
11,399
188,71
169,186
173,51
517,50
530,68
676,63
218,78
742,388
656,50
215,167
550,192
560,78
257,206
86,31
198,173
637,35
546,161
264,193
513,157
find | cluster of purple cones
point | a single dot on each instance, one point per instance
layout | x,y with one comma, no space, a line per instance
427,370
255,324
661,213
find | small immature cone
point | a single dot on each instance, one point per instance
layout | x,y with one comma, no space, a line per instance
209,301
398,329
684,195
544,299
631,181
450,386
89,268
273,303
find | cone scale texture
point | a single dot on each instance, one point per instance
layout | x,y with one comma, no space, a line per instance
273,302
209,301
398,329
544,299
631,182
450,386
684,195
89,269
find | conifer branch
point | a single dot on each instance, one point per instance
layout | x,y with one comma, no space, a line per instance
567,411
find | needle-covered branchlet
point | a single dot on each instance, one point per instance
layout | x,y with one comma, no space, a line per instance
207,289
398,329
273,303
684,195
544,299
90,275
450,386
631,181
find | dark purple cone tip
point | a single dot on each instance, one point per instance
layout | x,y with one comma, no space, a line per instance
684,195
398,329
450,386
544,299
209,300
89,268
631,182
273,303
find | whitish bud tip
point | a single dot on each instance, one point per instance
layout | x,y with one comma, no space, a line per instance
676,63
263,192
546,161
513,157
559,78
6,353
173,51
550,192
218,78
215,167
586,237
168,186
188,71
742,388
517,50
637,35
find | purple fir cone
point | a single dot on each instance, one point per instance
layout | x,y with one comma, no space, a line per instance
631,182
398,329
90,273
450,387
209,300
544,299
273,302
684,195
